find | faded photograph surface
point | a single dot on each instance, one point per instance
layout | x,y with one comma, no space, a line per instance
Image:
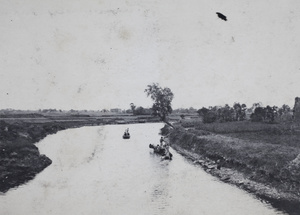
149,107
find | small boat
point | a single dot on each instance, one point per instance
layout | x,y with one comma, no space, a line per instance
161,151
126,136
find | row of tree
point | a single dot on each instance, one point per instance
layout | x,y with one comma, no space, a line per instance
139,110
162,98
269,114
239,112
223,113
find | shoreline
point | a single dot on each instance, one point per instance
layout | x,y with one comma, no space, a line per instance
280,199
20,159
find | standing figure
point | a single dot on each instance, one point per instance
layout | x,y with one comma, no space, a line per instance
162,142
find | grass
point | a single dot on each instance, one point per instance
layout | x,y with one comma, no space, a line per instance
284,134
246,126
292,140
264,152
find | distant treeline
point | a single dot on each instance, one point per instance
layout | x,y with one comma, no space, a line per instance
240,112
137,111
226,113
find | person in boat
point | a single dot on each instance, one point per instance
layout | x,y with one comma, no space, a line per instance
167,154
126,133
167,150
162,142
161,146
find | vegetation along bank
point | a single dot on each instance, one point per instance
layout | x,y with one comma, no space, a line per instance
19,157
263,159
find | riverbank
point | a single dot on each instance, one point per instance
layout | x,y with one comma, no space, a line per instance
268,171
20,159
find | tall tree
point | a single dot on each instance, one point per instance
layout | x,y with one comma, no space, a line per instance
162,98
237,110
259,114
203,111
132,106
139,111
243,115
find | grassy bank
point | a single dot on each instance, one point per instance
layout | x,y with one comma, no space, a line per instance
20,159
261,158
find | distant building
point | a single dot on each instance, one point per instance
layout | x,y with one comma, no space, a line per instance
116,110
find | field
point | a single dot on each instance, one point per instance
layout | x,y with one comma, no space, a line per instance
263,153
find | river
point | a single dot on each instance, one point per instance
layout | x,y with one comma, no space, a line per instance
95,171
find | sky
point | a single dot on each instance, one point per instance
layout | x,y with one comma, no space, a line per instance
95,54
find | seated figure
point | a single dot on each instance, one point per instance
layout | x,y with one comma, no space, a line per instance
162,150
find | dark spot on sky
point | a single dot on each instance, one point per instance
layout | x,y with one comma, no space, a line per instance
221,16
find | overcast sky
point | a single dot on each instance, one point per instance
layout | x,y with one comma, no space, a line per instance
94,54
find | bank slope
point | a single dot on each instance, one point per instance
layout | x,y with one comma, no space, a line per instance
270,171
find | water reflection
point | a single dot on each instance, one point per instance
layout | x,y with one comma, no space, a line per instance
160,189
95,171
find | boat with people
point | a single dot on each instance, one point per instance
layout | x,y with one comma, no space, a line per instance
162,150
126,134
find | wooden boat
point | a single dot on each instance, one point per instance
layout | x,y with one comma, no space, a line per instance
126,136
161,151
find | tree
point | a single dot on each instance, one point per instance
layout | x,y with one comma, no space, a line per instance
203,111
139,111
162,98
132,106
192,110
243,114
238,111
284,109
208,115
269,114
259,114
226,113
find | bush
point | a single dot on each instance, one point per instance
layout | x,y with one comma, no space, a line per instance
210,117
164,131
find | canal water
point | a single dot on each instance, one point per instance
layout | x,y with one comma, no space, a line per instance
95,171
